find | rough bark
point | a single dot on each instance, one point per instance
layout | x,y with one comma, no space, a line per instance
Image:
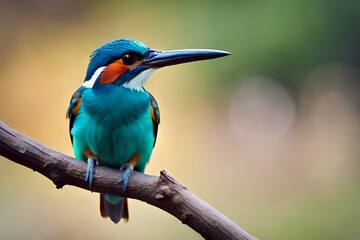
164,191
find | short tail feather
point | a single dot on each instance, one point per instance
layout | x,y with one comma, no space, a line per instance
115,211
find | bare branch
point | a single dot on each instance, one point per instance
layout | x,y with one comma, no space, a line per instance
164,192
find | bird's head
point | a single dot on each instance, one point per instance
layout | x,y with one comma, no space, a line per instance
130,63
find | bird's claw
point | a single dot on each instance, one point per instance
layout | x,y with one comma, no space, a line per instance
90,170
126,170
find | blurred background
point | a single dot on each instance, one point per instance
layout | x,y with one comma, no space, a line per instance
269,135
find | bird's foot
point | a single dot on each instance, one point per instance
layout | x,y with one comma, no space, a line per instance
126,170
90,170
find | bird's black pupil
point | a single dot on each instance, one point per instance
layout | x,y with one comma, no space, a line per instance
128,59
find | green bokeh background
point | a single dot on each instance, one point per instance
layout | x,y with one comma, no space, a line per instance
269,135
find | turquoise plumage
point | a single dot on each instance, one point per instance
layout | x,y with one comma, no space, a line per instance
113,119
98,121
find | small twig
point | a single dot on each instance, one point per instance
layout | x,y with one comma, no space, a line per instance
164,192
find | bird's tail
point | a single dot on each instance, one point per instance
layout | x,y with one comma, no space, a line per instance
114,207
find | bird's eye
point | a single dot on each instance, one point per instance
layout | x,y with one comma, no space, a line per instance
129,59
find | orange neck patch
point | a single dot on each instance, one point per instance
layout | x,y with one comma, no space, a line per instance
113,71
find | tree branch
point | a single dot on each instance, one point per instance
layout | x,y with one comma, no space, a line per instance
163,192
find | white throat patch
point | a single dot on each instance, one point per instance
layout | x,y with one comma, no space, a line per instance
90,83
137,82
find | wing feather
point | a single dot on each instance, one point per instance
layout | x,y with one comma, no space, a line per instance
74,107
155,115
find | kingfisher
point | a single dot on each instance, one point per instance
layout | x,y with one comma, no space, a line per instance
113,119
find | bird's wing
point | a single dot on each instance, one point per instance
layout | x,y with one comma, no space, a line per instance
74,107
155,115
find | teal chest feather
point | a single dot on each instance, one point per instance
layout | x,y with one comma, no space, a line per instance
114,124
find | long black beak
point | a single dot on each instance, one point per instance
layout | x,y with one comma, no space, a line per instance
158,59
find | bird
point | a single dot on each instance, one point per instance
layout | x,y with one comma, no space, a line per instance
113,119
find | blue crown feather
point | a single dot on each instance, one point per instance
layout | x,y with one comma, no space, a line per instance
112,51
